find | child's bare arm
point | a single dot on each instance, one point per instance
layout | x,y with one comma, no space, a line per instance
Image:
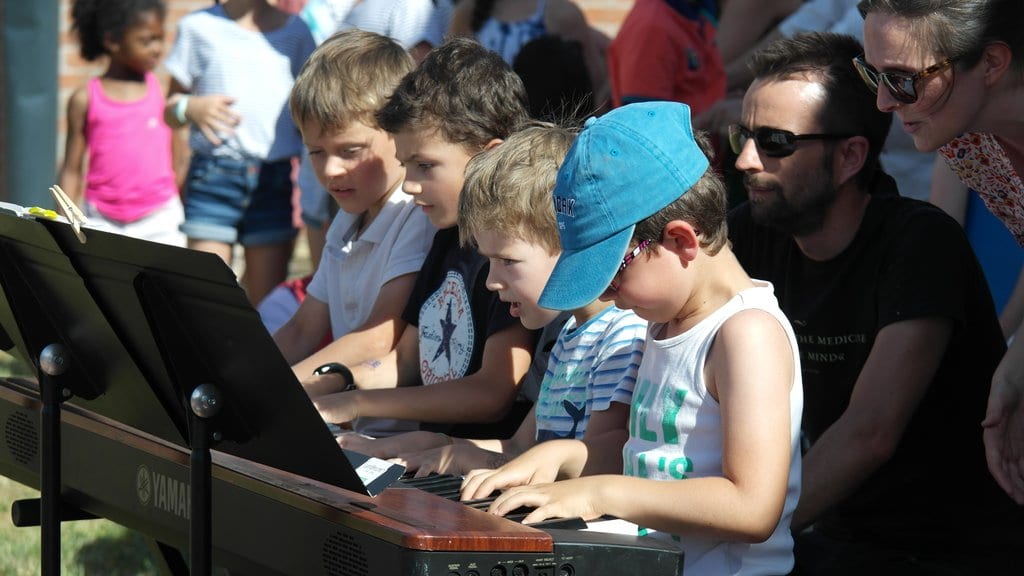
301,333
375,338
70,177
483,396
211,113
545,462
600,452
458,458
461,455
751,371
606,433
400,367
409,445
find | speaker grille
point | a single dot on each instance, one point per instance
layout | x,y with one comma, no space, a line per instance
21,437
343,556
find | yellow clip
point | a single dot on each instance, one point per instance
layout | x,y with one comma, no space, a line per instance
43,213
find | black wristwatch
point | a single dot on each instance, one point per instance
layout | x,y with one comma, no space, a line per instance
337,368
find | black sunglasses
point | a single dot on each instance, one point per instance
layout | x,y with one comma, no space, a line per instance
773,141
902,85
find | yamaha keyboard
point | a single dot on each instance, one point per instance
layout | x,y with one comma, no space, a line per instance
143,328
267,521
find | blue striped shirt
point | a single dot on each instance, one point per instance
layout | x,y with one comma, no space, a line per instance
590,367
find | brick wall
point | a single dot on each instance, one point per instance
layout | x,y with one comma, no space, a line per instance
604,15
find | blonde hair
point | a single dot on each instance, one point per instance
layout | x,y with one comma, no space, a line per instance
508,188
347,79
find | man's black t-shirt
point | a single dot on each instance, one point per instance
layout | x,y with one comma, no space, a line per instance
908,260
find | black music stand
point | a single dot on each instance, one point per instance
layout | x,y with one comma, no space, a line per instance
61,333
40,283
207,363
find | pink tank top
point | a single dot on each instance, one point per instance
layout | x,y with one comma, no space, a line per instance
130,169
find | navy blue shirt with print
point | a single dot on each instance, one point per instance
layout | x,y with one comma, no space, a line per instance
455,314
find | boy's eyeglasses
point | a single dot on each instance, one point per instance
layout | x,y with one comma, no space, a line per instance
773,141
902,85
614,285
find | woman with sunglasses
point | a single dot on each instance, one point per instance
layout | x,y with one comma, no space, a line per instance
953,73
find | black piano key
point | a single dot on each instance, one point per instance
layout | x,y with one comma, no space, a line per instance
479,502
434,482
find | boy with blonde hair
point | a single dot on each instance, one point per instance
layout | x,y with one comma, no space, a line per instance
505,210
379,239
712,458
463,357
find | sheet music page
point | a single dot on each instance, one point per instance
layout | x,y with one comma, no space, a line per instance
612,526
30,212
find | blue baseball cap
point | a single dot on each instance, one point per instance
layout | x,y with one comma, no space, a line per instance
622,168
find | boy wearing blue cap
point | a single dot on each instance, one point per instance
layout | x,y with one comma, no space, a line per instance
718,397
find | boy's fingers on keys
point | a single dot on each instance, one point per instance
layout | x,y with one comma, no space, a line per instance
352,440
539,515
524,497
409,466
427,463
472,485
422,463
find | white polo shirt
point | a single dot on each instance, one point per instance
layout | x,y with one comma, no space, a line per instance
353,270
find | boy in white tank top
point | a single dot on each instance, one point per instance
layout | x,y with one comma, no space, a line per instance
711,458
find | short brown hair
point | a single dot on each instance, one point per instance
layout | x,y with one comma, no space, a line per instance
849,107
463,90
347,79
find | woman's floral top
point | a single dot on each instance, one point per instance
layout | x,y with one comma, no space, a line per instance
982,164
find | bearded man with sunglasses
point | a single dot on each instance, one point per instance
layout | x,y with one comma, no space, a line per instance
897,330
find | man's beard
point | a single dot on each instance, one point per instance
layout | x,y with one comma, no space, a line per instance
800,213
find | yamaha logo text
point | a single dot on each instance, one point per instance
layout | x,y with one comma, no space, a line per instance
163,492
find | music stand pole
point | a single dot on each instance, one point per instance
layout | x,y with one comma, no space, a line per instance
205,403
52,363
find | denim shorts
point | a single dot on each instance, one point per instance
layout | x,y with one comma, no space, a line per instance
244,201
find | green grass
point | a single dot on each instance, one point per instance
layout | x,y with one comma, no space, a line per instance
88,547
11,366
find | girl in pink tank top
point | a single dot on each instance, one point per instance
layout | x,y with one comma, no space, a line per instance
116,120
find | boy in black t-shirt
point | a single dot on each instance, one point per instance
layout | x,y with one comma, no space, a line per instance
461,343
